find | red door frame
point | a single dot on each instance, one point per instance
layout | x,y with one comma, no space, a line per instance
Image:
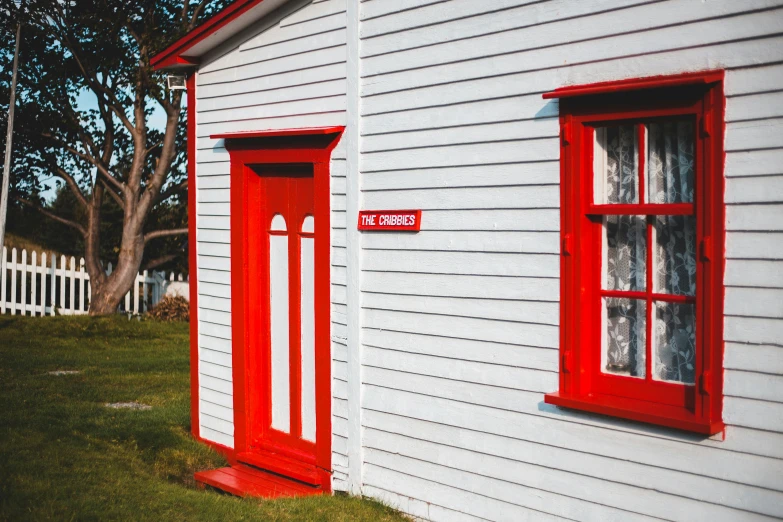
311,146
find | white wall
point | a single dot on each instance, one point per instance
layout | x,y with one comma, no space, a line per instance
460,328
287,71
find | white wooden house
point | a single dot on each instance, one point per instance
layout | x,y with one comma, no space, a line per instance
585,319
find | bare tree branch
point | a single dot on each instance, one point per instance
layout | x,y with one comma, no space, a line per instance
72,224
100,90
108,129
163,233
77,192
196,13
167,155
166,194
113,194
98,164
153,147
185,8
154,263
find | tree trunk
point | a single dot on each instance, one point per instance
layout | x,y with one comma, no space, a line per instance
111,289
108,296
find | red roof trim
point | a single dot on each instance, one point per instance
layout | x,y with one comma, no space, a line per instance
635,84
307,131
172,55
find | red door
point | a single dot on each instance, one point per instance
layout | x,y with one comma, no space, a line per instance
280,373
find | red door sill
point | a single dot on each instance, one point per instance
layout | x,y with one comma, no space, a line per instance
244,481
281,465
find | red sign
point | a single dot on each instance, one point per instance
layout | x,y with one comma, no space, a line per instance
406,220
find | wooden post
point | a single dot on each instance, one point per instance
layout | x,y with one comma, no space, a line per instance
72,277
82,292
62,282
53,300
43,284
144,291
89,291
23,274
33,283
136,296
13,281
3,278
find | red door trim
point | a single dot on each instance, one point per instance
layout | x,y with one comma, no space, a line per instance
246,149
192,257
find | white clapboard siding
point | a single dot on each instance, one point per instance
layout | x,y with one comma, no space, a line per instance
445,489
459,324
540,128
509,355
596,37
559,473
476,286
539,173
749,189
469,241
516,414
338,275
507,310
530,334
709,31
464,263
284,81
491,21
753,358
288,71
457,198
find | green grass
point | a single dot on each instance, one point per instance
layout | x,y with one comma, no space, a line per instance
64,456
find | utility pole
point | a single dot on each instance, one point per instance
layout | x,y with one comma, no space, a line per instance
9,141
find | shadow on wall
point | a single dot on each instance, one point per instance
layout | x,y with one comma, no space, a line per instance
593,420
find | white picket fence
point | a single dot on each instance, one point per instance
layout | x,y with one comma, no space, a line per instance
38,285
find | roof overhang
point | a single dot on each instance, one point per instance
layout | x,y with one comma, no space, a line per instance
234,18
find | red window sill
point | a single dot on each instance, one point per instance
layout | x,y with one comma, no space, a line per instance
636,410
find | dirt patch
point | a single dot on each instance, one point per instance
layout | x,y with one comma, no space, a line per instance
128,406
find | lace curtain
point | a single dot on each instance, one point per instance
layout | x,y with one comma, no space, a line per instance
670,162
670,179
617,162
625,259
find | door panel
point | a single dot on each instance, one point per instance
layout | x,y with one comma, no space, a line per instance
282,373
307,326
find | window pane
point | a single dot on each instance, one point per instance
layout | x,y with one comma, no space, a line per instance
624,343
675,342
675,255
616,165
626,251
670,162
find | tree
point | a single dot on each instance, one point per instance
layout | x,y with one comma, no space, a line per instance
102,48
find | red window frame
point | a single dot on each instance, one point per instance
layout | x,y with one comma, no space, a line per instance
583,386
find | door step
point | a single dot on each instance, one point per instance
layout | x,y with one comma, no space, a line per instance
282,465
244,481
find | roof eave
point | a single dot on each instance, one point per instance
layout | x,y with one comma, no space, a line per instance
187,51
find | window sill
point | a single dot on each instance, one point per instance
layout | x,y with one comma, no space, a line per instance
636,410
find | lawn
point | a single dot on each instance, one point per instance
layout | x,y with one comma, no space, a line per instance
65,456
